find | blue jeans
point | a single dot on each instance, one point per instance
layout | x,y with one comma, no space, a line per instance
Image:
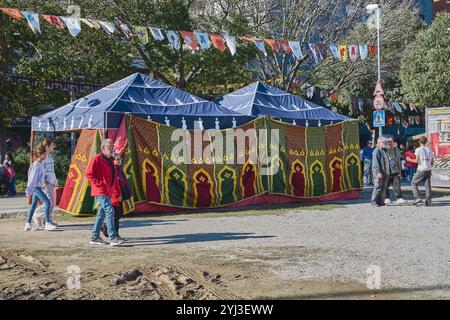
12,187
39,194
105,208
410,174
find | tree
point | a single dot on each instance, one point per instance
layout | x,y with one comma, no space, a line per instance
425,69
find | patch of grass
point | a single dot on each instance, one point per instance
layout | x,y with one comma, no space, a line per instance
267,210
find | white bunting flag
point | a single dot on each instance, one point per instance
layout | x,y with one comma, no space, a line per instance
33,20
126,30
109,27
72,24
334,51
203,40
296,49
353,52
231,43
363,51
174,39
156,33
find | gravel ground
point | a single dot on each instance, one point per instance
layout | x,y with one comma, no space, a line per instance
410,245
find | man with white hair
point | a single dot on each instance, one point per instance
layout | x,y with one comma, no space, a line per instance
380,172
104,185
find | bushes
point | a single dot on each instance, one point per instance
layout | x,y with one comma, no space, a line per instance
61,155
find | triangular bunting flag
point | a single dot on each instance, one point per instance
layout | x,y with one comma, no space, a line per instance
141,33
373,50
343,52
189,39
363,51
296,49
311,49
13,13
284,45
322,51
33,20
353,52
273,44
174,39
73,25
334,51
91,23
54,21
156,33
361,104
109,27
260,45
126,30
231,43
203,40
217,41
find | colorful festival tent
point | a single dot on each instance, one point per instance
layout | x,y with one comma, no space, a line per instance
260,99
143,96
306,164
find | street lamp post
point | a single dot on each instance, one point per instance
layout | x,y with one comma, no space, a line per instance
370,8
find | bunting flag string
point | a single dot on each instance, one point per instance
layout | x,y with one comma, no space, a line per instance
197,39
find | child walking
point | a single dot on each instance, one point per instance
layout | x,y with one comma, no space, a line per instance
36,181
50,183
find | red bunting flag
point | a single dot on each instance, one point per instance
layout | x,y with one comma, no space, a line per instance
284,45
247,39
14,13
217,41
189,38
273,44
54,20
373,50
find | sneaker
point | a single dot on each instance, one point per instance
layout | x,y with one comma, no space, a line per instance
416,201
104,230
428,203
116,241
387,201
98,240
401,201
30,227
50,227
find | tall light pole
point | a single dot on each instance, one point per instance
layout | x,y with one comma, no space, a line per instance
377,8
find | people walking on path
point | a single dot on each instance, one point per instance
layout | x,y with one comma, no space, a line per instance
10,174
366,158
104,186
36,182
125,190
50,183
394,177
411,166
380,171
425,160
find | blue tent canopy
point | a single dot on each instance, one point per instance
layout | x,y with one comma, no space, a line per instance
260,99
140,95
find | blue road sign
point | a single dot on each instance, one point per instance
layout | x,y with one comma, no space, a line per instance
379,118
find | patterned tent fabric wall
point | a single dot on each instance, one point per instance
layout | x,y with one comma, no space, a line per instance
305,162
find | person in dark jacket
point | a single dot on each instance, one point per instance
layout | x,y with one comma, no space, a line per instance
125,190
380,172
104,186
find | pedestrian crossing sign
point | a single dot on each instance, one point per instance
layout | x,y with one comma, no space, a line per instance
379,118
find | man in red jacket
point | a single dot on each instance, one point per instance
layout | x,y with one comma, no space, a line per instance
104,185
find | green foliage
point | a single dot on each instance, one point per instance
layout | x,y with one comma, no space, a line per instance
60,155
425,69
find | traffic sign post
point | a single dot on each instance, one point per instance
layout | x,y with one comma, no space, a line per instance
378,102
379,117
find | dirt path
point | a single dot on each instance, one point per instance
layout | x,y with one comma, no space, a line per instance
293,252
